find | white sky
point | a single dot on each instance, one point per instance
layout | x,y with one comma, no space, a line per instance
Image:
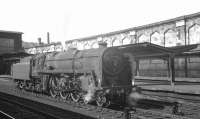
70,19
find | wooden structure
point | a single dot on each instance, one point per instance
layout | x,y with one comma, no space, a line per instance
151,51
10,41
10,49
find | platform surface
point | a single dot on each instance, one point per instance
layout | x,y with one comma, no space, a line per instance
190,85
167,78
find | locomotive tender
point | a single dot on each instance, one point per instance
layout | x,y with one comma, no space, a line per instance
103,75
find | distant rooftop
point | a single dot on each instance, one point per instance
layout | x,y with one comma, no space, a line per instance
28,45
16,32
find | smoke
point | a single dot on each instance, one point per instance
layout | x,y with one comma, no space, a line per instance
133,66
63,45
91,90
134,97
88,96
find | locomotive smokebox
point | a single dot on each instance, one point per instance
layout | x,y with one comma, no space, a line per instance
113,61
102,44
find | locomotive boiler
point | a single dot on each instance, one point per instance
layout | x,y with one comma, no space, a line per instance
102,75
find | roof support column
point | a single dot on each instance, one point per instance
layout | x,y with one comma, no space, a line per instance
137,73
185,36
168,68
186,66
172,69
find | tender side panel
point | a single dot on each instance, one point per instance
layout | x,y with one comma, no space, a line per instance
21,71
60,62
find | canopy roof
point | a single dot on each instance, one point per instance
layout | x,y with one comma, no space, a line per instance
14,54
146,50
188,50
149,50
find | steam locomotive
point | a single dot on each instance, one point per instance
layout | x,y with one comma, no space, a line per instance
102,75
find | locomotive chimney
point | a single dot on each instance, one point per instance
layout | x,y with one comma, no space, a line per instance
102,44
39,41
48,38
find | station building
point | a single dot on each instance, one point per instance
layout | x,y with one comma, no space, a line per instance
10,49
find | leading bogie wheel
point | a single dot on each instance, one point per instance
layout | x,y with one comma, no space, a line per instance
75,96
21,85
75,93
64,95
101,100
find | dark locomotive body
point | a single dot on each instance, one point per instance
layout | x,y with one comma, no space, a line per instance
102,74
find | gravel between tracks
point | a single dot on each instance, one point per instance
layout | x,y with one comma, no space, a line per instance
8,86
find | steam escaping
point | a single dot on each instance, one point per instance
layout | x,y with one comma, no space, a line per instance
88,97
63,45
133,66
91,90
134,97
133,82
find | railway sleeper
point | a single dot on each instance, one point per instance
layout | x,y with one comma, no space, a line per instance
176,109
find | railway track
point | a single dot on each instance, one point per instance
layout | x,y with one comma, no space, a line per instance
110,113
21,108
148,111
187,105
38,103
150,114
84,111
4,115
13,111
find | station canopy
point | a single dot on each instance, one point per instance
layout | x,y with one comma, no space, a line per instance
188,50
149,50
14,55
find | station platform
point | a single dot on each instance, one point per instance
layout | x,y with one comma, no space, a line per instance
181,85
189,89
178,79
